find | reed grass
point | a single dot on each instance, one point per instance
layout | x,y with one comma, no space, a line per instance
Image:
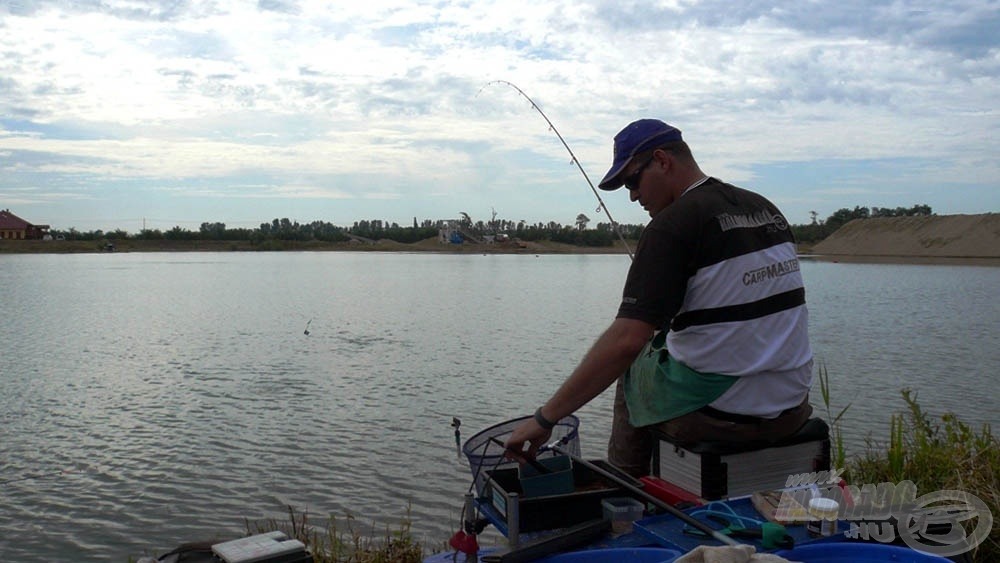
838,456
936,456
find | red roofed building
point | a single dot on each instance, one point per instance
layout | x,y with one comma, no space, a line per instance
13,227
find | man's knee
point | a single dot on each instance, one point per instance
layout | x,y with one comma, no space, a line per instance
630,448
632,455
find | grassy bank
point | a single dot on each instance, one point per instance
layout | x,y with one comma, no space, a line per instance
935,455
345,541
942,455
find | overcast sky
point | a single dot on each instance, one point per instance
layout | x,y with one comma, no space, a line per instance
117,113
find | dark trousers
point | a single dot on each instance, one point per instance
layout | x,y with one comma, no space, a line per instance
631,448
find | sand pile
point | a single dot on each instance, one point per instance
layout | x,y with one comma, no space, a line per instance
937,236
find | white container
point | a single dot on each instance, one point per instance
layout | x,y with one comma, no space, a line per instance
823,516
622,512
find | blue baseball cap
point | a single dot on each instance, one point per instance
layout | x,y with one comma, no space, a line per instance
635,138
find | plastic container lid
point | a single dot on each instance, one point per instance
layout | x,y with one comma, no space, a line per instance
621,512
823,507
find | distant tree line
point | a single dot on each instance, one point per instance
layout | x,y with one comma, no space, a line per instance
375,229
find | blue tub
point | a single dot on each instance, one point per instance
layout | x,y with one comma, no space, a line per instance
842,552
616,555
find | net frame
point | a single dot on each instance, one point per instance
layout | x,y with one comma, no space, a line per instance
486,456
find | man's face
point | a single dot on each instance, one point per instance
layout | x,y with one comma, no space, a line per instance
646,181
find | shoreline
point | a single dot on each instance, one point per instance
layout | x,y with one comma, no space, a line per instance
907,260
433,247
384,245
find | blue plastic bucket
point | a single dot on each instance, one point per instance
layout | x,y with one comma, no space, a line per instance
616,555
842,552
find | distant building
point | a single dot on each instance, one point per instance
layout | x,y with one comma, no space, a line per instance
449,232
14,228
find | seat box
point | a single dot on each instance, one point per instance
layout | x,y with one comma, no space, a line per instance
548,512
719,470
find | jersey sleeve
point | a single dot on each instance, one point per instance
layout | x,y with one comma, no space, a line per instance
657,279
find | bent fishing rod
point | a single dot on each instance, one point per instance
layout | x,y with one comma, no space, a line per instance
601,205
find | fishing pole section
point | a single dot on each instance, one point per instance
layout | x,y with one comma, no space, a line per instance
601,205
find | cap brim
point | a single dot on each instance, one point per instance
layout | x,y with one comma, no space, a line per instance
612,180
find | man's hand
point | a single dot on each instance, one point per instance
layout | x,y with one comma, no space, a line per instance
530,433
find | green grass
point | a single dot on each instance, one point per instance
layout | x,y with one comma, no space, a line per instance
342,541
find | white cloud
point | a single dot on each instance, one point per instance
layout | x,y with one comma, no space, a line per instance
361,102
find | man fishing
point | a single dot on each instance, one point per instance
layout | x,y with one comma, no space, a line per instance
710,341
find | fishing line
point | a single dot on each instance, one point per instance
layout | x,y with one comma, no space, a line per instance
601,205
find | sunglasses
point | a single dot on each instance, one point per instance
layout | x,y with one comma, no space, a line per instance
632,182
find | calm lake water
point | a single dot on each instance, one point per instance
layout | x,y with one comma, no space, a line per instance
147,400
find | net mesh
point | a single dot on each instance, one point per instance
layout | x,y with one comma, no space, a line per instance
485,455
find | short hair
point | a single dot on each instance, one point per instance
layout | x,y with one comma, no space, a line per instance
679,149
